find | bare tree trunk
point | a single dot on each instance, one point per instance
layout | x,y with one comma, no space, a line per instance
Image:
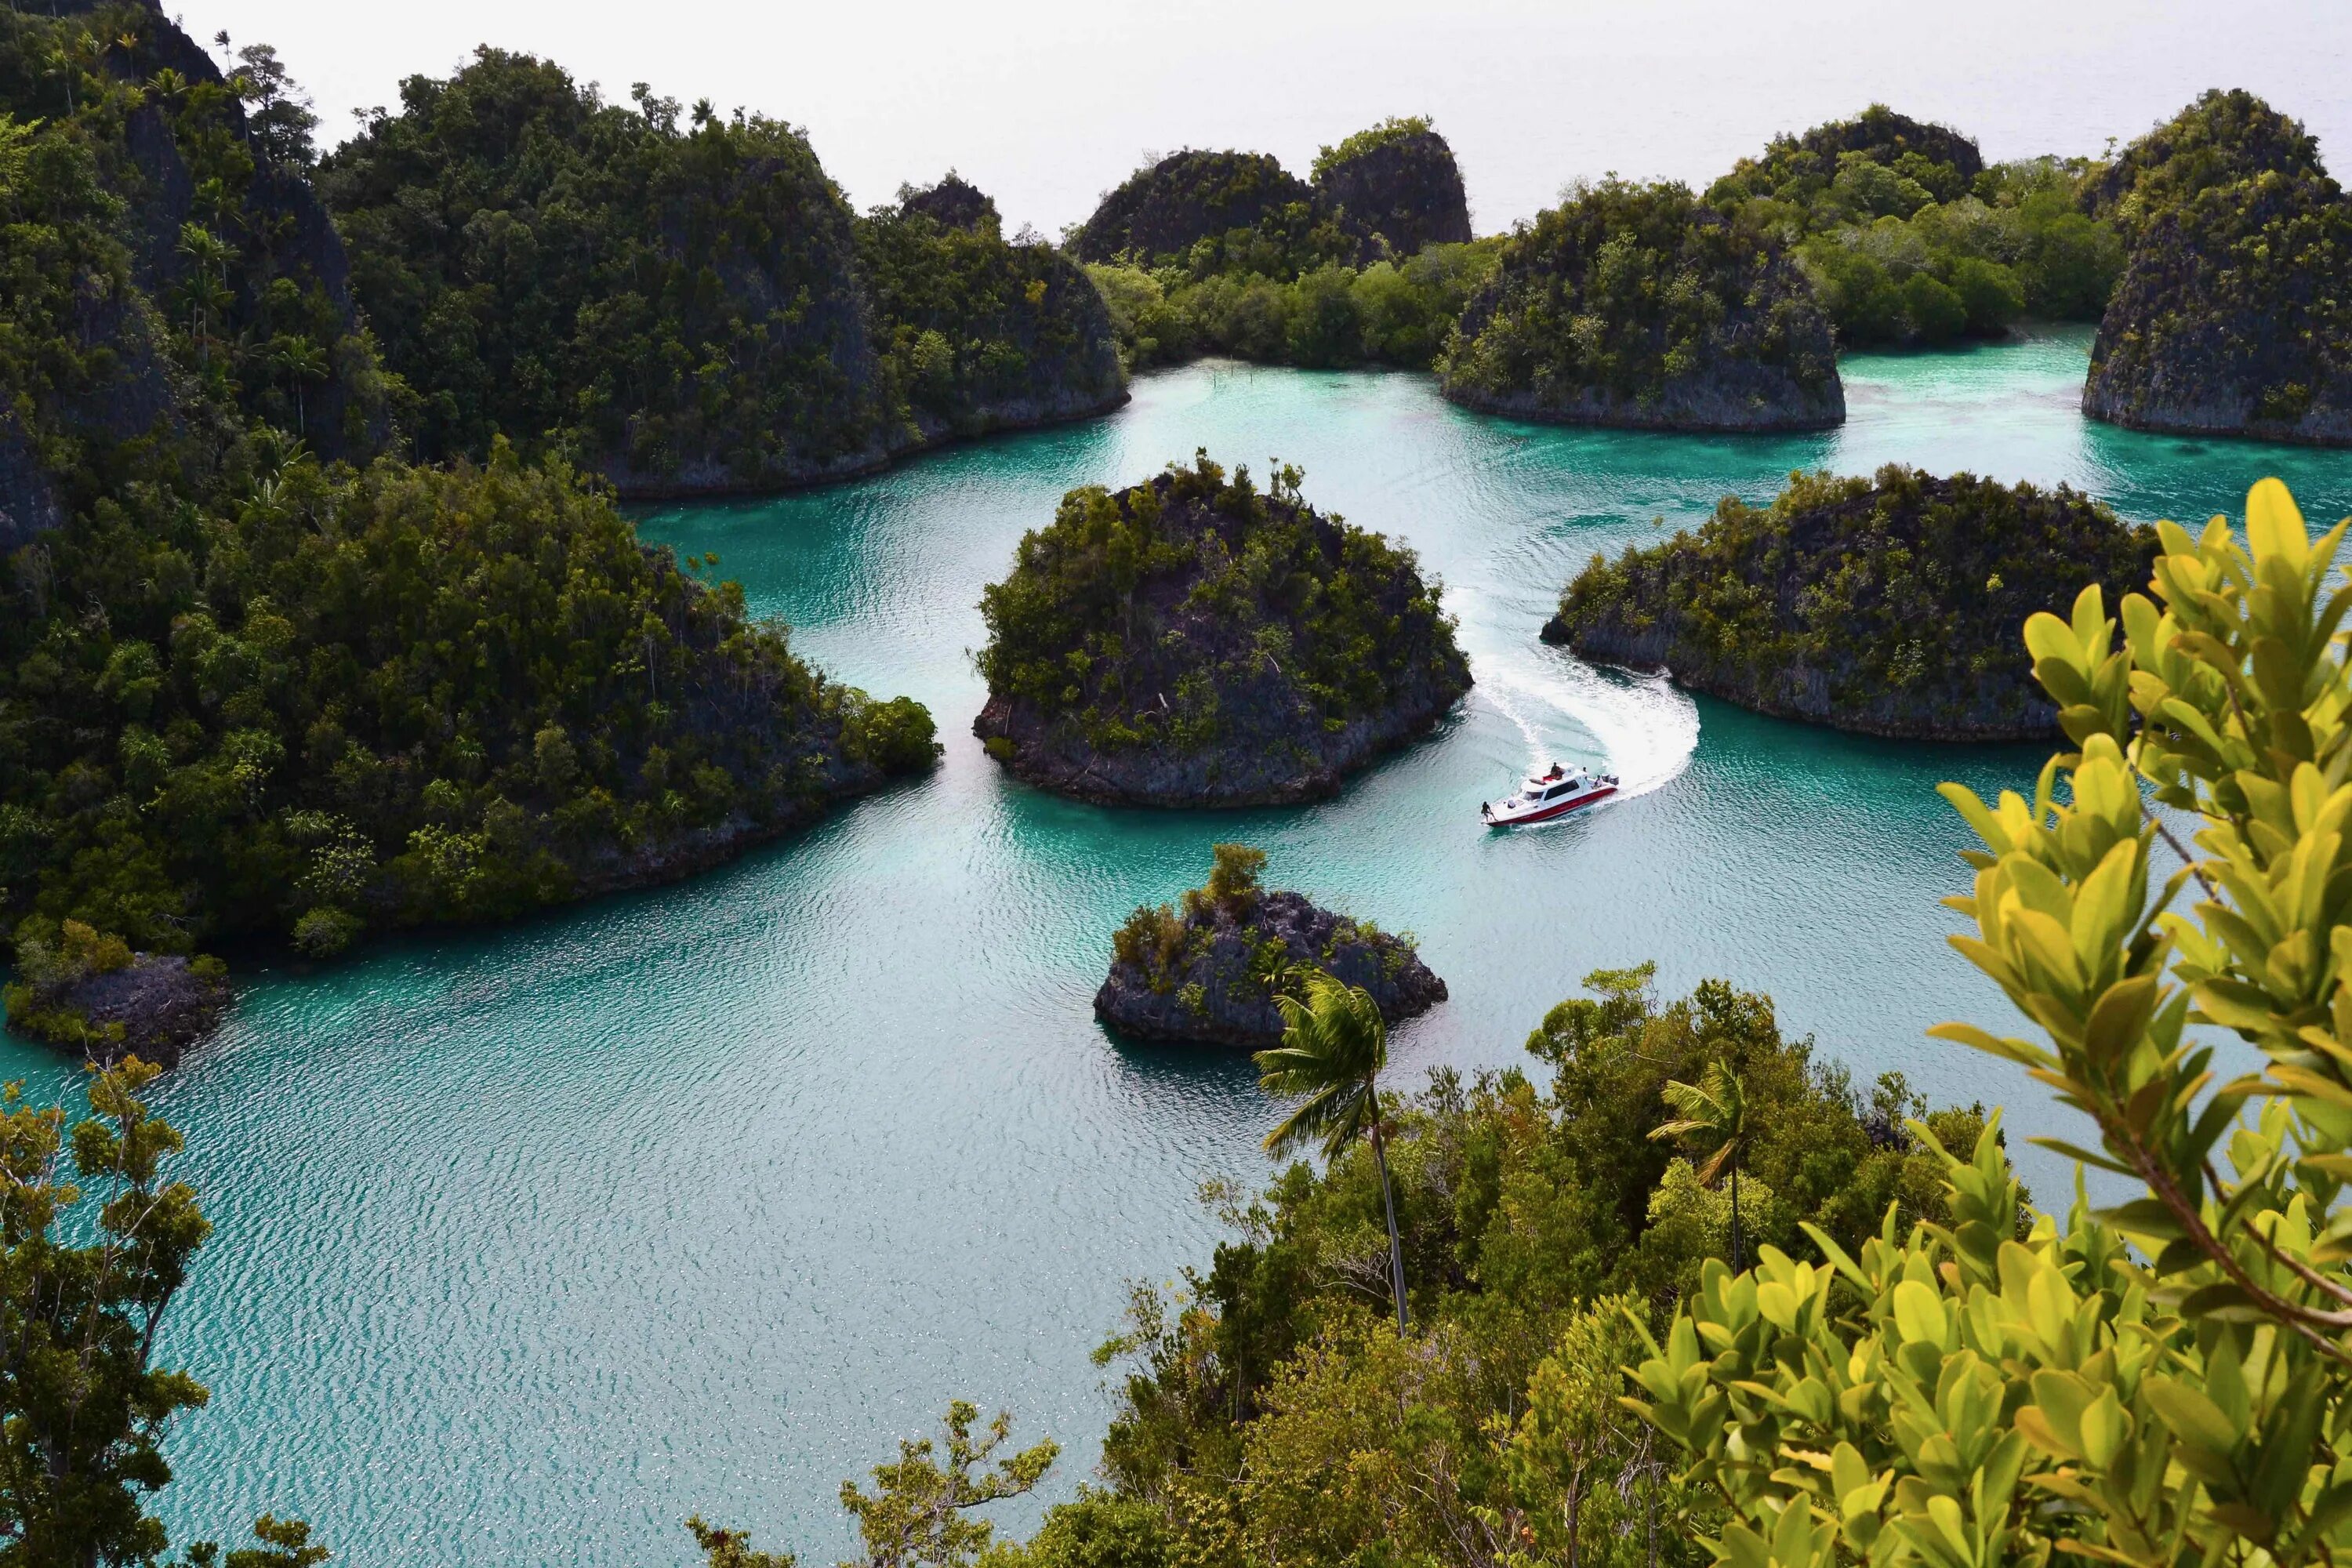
1575,1513
1651,1466
1735,1217
1388,1200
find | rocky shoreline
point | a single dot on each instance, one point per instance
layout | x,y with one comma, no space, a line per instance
1210,975
1804,692
1249,771
153,1008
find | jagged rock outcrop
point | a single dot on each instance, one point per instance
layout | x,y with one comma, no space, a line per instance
1397,184
2231,317
2221,138
1191,642
152,1006
1888,607
1698,321
1163,210
1883,136
953,203
1210,973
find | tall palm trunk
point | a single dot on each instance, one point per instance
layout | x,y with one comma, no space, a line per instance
1735,1217
1388,1200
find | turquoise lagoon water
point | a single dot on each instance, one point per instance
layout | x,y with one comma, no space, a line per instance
531,1241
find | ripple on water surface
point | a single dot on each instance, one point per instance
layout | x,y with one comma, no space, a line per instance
531,1242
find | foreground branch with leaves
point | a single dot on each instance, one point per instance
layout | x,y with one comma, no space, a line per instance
83,1408
2168,1379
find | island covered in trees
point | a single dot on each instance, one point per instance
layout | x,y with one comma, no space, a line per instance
462,332
688,305
1639,305
1193,640
1211,967
2234,315
1887,606
260,675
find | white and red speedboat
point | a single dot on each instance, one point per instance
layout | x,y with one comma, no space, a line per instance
1548,796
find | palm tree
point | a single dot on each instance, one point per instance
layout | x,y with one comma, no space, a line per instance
1333,1047
1717,1109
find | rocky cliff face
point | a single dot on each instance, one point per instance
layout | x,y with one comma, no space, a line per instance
2233,317
154,1008
1891,606
1402,192
1185,197
1210,975
1697,321
954,202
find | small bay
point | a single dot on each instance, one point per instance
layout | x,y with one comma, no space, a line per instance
531,1241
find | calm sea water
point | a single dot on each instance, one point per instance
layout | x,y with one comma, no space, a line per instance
530,1242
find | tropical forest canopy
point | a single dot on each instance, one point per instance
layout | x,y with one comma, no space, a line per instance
687,305
260,677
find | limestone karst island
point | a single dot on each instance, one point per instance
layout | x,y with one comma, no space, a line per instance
1277,788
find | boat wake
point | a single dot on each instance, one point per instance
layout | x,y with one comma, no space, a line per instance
1644,728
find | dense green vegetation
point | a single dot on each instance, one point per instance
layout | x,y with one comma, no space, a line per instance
1635,304
1888,604
2170,1371
2232,316
1910,239
2221,138
1388,313
1228,253
1195,617
540,264
684,307
399,695
97,1241
977,333
246,692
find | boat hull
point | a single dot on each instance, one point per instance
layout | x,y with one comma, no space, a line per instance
1552,811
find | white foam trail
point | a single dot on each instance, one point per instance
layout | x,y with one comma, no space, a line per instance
1645,729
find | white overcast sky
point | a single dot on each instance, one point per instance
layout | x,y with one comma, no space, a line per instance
1046,104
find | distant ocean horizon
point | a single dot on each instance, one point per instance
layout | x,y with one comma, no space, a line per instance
1047,104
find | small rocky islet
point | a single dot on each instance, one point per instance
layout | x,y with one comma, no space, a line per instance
2232,316
1887,606
1210,968
1641,306
1196,641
